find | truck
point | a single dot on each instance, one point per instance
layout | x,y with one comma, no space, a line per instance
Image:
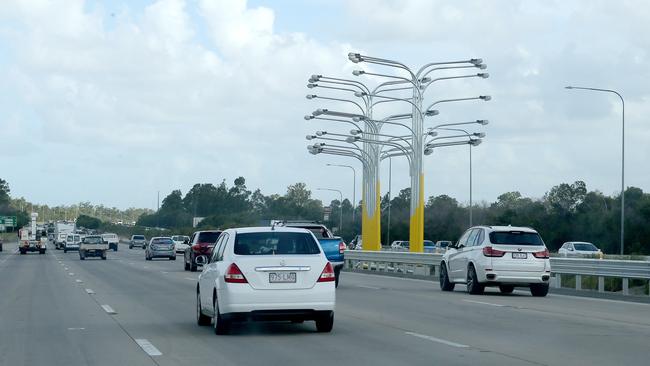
333,246
112,239
93,246
31,239
61,231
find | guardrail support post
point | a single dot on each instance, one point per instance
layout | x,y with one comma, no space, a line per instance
578,282
626,286
601,284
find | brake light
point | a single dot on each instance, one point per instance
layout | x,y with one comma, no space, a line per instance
543,254
328,274
234,275
196,247
491,252
341,247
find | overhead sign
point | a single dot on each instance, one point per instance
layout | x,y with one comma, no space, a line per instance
8,221
327,211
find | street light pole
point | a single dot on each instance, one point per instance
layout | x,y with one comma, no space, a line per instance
340,206
622,155
390,184
354,187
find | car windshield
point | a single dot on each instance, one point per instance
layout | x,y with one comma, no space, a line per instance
270,243
428,243
162,241
92,240
585,247
444,244
515,238
208,237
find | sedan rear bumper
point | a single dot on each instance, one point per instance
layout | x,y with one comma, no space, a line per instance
242,298
515,277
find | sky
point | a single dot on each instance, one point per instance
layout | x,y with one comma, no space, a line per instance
113,101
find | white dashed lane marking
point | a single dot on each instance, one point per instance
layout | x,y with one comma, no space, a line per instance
148,347
109,309
437,340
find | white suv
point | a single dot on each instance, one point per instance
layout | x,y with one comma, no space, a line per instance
503,256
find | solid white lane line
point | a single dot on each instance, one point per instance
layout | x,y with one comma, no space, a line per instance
79,281
89,291
164,272
484,303
148,347
437,340
76,328
191,279
71,274
109,309
369,287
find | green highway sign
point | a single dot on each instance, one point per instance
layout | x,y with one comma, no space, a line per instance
8,221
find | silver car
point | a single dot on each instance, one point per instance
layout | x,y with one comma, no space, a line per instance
160,247
138,241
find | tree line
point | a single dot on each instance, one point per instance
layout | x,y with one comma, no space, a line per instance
567,212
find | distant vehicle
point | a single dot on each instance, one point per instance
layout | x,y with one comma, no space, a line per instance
112,239
442,245
138,241
268,273
61,231
352,245
579,248
333,246
399,245
181,242
93,246
503,256
0,244
160,247
201,243
32,240
71,242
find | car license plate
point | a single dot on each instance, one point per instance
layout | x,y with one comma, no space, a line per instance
519,255
282,277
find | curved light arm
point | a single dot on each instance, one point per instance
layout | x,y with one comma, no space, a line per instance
483,97
400,147
481,75
479,66
478,121
473,61
359,84
390,99
356,57
391,138
314,96
310,117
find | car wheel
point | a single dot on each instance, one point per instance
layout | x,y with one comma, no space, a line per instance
506,289
65,250
539,289
445,284
325,322
201,319
23,251
42,251
473,286
221,325
147,257
130,246
337,274
172,258
192,265
82,255
104,255
187,266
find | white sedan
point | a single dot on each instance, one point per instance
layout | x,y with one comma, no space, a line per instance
579,248
181,242
266,273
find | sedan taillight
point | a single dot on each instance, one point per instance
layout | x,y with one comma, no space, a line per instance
328,274
491,252
542,255
341,247
234,275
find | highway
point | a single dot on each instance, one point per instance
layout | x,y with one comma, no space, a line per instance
58,310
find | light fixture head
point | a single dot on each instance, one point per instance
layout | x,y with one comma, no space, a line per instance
319,111
482,121
568,87
358,118
316,77
425,80
428,151
310,96
360,94
432,133
479,134
321,133
475,142
432,112
481,66
358,72
354,57
310,137
312,85
308,117
355,132
352,139
476,61
485,97
483,75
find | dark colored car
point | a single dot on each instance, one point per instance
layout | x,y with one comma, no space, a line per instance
201,243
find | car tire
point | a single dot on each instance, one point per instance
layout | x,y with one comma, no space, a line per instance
82,255
172,258
65,250
325,322
539,289
445,284
103,255
187,266
336,279
221,325
23,251
193,266
130,246
506,289
201,319
41,251
147,257
473,286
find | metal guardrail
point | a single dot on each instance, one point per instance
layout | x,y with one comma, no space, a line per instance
574,272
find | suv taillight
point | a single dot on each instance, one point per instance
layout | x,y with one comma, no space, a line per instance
341,247
491,252
328,274
234,275
542,255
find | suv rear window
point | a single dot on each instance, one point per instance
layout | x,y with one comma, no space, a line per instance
515,238
271,243
208,237
138,237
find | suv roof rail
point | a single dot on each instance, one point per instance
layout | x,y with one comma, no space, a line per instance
284,222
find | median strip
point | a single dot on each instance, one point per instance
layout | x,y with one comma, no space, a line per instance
148,347
437,340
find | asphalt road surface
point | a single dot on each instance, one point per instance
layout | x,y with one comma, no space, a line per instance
58,310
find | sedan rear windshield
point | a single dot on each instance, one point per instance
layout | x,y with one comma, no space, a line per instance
515,238
271,243
585,247
92,240
208,237
138,237
162,241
